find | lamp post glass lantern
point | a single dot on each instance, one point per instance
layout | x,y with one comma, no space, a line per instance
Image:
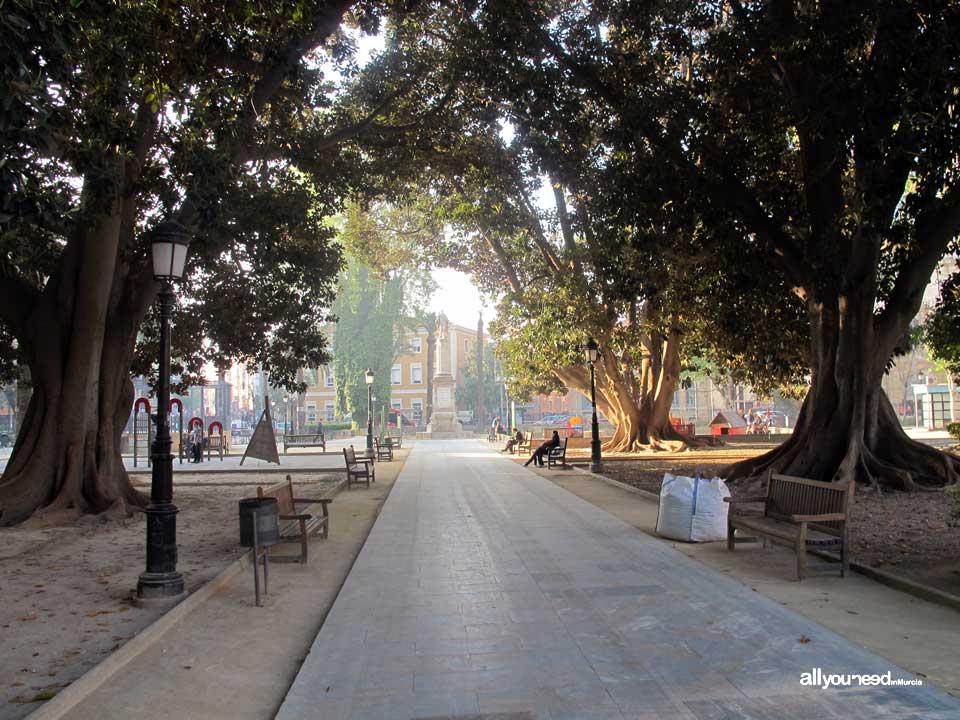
161,580
592,352
368,378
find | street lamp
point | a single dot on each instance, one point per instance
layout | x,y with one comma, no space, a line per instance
592,352
161,581
368,378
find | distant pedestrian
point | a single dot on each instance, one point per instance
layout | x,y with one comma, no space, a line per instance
544,449
514,441
196,440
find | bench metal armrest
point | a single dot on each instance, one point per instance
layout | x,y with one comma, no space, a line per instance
826,517
299,516
751,499
324,501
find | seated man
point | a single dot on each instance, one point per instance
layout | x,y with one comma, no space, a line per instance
514,441
545,447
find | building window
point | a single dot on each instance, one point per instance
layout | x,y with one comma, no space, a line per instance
676,399
396,404
328,411
416,346
311,412
417,407
416,374
691,393
328,377
466,346
395,375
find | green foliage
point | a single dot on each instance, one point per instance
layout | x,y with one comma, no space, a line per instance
954,430
328,427
941,331
467,384
247,130
382,292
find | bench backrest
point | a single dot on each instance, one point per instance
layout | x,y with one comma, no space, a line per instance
283,492
349,455
788,495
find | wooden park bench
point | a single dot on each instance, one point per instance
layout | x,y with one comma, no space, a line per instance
395,440
296,527
216,444
526,444
797,512
358,468
309,440
558,455
384,449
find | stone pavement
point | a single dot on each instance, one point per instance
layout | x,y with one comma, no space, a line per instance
484,589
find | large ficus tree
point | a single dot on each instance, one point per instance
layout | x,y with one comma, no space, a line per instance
116,116
828,132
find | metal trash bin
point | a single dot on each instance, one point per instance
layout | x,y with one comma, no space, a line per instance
263,513
259,529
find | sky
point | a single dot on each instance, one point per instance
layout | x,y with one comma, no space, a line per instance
459,299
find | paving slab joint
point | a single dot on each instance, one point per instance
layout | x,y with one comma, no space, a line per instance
911,587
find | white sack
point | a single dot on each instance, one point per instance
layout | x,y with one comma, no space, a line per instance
692,509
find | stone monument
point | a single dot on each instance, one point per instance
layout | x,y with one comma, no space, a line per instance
444,418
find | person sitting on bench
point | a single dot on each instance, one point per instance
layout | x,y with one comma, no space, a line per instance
545,447
514,441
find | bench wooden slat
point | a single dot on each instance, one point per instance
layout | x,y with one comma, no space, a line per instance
307,440
558,455
358,469
297,527
800,512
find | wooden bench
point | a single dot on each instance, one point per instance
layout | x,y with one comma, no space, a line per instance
797,512
526,444
216,444
296,527
558,455
395,440
311,440
358,468
383,450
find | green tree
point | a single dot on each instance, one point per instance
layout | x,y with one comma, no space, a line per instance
466,394
382,293
826,133
118,116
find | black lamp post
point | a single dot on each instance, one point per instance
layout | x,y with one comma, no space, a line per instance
596,464
161,581
368,378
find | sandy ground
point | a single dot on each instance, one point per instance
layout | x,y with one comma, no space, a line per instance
66,590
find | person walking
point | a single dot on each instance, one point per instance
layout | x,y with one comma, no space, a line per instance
545,447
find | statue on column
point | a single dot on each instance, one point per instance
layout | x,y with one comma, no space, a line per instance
442,363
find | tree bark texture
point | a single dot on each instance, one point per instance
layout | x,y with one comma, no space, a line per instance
847,429
78,343
636,401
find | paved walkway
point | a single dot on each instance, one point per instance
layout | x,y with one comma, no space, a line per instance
485,589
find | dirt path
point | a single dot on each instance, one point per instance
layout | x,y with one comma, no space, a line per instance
66,590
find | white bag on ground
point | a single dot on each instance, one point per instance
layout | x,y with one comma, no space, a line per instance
692,509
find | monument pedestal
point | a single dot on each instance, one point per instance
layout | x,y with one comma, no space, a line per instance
444,418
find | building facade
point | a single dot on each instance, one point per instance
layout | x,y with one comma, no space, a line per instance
408,376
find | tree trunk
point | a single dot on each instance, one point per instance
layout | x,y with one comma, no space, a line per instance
67,455
641,419
847,429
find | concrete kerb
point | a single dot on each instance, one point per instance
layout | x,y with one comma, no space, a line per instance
924,592
84,685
